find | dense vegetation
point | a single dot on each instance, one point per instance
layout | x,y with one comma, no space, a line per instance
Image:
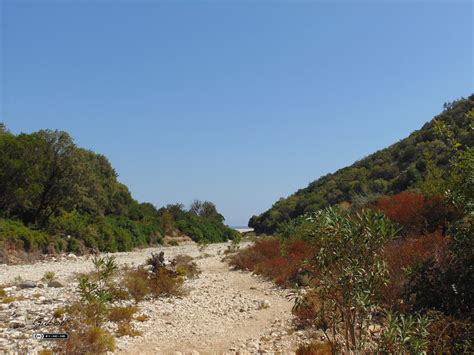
391,275
55,196
402,166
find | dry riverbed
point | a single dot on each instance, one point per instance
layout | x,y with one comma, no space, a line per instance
225,311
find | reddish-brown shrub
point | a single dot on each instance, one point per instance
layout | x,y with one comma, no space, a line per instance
269,258
248,258
415,213
269,248
407,253
406,209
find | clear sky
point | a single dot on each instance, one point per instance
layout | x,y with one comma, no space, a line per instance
236,102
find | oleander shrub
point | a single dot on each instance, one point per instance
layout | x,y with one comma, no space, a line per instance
347,272
305,310
404,334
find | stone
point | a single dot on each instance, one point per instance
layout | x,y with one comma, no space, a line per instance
27,284
72,256
55,284
16,324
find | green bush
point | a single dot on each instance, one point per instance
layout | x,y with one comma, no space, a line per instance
29,239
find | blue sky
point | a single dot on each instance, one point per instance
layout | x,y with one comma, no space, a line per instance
236,102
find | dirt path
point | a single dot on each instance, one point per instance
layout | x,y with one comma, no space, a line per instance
225,311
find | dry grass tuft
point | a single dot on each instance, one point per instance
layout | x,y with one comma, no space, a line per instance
142,318
122,314
314,349
125,328
8,299
136,283
166,283
59,312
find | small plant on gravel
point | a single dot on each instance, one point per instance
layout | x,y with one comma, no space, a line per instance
203,244
156,261
3,293
127,329
142,318
59,312
8,299
122,314
315,349
166,283
184,266
94,291
234,245
136,283
85,339
49,276
17,280
119,293
86,317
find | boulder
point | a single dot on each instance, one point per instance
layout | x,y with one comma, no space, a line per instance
27,284
55,284
72,256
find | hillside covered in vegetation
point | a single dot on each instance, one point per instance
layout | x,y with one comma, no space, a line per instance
402,166
55,196
389,275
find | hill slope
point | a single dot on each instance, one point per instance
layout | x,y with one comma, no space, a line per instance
399,167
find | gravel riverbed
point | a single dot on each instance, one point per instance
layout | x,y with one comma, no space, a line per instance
223,312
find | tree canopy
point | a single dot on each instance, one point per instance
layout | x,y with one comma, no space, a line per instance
70,199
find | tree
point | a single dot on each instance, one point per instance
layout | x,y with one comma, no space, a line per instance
3,129
205,209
